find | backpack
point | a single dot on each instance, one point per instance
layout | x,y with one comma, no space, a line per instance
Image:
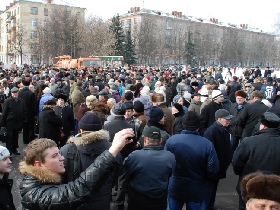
74,165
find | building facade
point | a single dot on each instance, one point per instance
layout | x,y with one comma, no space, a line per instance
18,28
168,38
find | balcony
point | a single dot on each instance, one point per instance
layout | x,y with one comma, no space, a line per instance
13,24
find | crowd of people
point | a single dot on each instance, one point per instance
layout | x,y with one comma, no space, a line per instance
155,138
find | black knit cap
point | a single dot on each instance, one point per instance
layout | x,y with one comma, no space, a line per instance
179,107
90,122
191,121
128,95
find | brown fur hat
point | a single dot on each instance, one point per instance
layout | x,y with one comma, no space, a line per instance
240,93
261,186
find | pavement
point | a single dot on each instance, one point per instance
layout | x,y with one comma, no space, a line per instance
226,198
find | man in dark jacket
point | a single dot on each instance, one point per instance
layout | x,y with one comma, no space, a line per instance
30,105
252,113
193,170
12,119
236,110
66,114
232,88
259,152
208,112
90,143
43,165
148,171
49,122
219,135
6,197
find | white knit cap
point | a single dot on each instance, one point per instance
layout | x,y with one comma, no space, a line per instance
216,94
187,95
4,152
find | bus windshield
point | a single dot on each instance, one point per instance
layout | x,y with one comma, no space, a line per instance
92,63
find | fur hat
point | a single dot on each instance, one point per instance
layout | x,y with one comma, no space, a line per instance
240,93
260,186
179,107
119,108
157,97
62,96
49,104
90,122
91,99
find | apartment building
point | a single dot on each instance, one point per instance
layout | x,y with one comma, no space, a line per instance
18,24
216,42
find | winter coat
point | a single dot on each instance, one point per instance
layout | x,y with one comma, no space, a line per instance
53,88
148,171
62,89
6,197
77,98
13,114
220,137
195,106
30,104
45,97
208,115
169,118
115,126
250,116
259,152
67,118
178,124
41,189
72,87
49,124
235,128
232,88
90,145
194,167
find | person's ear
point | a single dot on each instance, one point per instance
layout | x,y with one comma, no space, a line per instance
37,163
145,139
160,140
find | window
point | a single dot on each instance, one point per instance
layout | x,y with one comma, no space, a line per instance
122,22
33,47
78,13
46,11
34,10
45,23
33,34
18,10
135,20
34,22
15,12
168,25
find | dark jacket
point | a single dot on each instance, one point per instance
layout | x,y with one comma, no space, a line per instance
49,124
232,88
90,145
208,115
67,117
13,114
6,197
178,125
115,126
236,111
250,116
259,152
148,170
41,189
220,137
30,104
196,164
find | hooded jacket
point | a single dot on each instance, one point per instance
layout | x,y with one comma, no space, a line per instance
90,145
41,189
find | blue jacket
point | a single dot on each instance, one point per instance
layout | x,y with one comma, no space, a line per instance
44,99
148,170
196,164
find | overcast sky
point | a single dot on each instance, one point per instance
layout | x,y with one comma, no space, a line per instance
259,14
